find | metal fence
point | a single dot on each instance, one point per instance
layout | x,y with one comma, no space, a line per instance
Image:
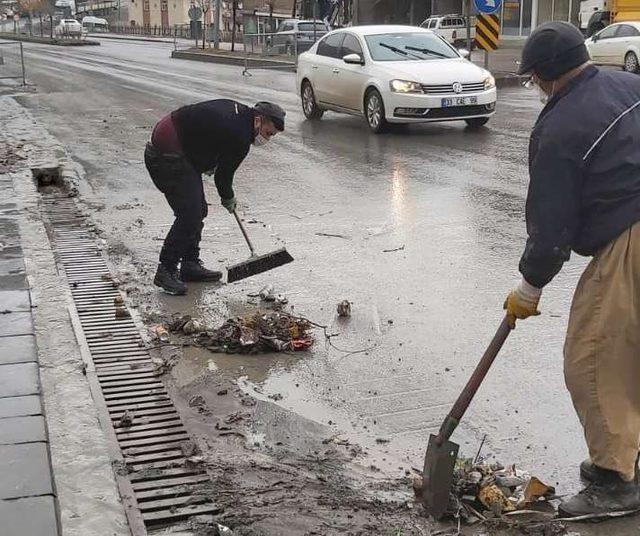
272,51
180,31
12,64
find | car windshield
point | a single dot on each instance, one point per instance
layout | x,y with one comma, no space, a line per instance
308,27
408,46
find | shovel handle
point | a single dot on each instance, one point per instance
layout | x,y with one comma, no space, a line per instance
469,391
244,233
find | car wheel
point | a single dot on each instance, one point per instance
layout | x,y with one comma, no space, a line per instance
476,122
631,63
310,107
374,111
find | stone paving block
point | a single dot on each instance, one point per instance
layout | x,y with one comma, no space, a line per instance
20,406
10,252
14,281
33,516
12,266
19,379
14,430
14,300
18,349
16,324
25,471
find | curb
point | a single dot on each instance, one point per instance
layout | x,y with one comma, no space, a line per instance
141,39
232,60
48,41
504,80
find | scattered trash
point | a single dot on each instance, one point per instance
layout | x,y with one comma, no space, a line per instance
236,417
344,308
197,400
330,235
276,397
178,322
382,440
259,332
222,392
189,448
160,333
122,312
126,420
266,294
392,250
118,300
192,326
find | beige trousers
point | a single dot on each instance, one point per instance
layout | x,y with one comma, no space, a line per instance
602,354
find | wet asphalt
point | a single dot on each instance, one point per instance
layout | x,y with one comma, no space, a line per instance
427,225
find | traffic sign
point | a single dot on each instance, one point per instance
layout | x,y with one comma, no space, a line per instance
487,6
487,31
195,13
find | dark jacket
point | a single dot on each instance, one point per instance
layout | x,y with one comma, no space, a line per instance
216,134
584,167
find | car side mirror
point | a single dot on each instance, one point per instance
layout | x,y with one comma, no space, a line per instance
594,38
353,59
463,52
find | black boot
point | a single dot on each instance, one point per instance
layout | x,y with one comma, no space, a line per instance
608,492
191,270
167,279
588,471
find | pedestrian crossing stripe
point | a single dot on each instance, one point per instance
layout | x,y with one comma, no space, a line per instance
487,31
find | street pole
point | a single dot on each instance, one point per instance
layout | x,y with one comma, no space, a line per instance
355,16
216,25
468,8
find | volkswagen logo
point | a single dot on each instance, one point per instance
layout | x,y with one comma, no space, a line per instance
457,87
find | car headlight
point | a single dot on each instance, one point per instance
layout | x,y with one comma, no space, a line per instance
489,82
403,86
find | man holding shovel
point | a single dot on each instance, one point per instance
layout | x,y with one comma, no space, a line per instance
211,137
584,196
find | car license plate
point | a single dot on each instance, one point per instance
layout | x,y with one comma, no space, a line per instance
459,101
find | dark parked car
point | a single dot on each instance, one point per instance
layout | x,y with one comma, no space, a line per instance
598,21
296,36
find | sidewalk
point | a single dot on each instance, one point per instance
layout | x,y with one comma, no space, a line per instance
28,504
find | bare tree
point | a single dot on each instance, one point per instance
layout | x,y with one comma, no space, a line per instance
205,6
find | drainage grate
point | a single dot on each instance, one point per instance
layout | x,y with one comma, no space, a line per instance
156,484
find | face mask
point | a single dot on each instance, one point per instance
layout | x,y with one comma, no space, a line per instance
260,140
544,98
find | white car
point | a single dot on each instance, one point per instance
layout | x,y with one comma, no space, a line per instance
618,44
68,28
452,27
393,74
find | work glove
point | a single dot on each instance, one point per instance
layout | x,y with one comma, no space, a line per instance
522,302
229,204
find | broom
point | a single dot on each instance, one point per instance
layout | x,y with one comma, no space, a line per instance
256,263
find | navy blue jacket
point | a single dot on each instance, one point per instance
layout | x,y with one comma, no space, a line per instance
216,134
584,167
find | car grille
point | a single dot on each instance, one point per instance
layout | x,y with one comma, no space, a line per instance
446,89
458,111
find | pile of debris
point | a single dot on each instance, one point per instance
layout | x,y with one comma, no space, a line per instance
491,489
484,491
258,332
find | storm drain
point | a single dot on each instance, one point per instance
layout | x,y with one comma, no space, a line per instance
157,484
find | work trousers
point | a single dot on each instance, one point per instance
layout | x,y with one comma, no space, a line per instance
602,354
182,186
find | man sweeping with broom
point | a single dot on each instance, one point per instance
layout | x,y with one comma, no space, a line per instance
208,137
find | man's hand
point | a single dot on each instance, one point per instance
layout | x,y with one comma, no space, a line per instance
229,204
522,302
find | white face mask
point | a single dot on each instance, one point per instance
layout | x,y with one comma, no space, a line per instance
260,140
544,98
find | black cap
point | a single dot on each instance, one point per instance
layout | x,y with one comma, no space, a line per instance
273,112
553,49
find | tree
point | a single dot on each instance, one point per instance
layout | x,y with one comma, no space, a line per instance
205,6
234,11
30,7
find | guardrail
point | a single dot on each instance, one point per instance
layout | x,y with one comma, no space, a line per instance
12,63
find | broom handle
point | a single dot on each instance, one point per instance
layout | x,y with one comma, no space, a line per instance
244,233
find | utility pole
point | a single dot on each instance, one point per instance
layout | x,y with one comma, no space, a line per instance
216,25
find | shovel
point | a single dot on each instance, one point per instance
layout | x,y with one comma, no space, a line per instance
441,456
256,263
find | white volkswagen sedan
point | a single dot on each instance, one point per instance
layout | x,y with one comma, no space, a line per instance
618,44
393,74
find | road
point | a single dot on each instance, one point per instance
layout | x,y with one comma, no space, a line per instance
426,225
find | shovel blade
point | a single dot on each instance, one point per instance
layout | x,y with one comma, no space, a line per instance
439,463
